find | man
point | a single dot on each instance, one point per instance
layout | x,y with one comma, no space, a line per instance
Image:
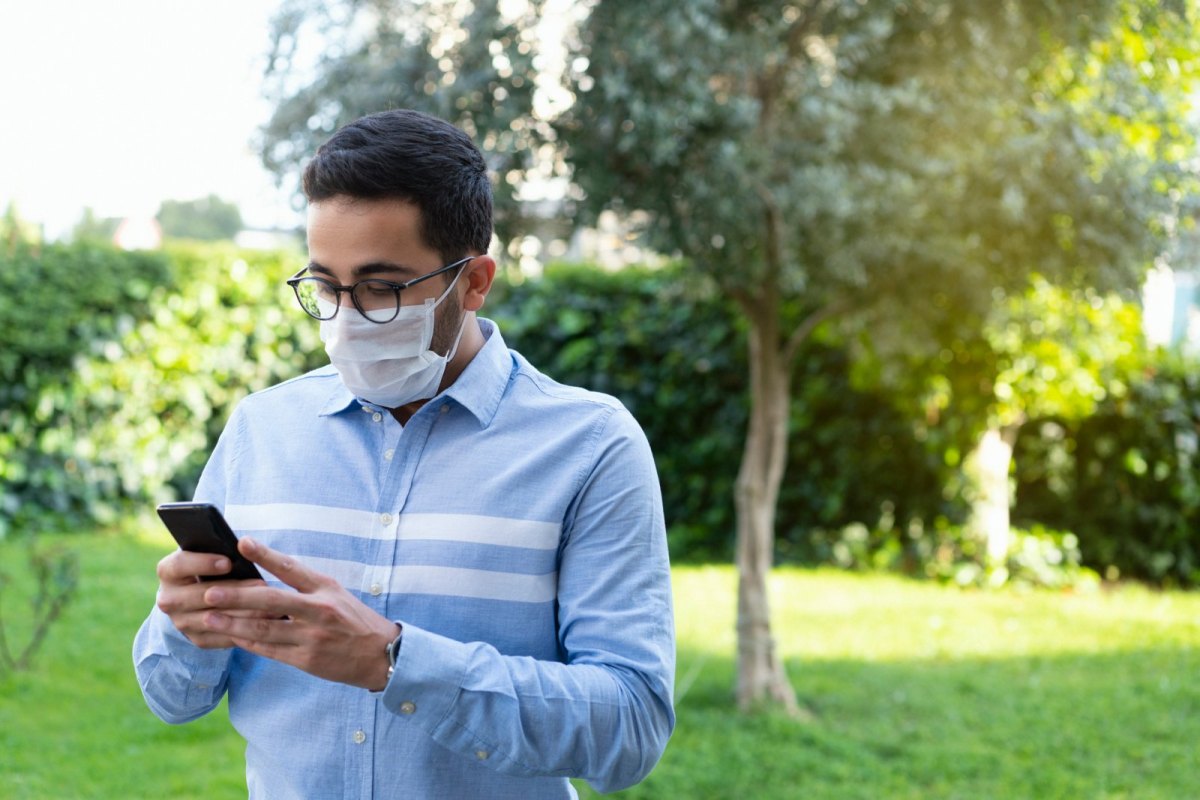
467,589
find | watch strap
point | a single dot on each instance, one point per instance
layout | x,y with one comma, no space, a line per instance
393,651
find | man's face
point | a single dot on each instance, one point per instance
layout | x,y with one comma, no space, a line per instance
351,239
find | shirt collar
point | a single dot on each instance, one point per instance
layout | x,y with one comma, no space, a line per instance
478,387
481,385
341,399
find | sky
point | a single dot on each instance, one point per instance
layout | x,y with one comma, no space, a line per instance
120,105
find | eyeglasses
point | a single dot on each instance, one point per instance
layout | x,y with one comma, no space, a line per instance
376,299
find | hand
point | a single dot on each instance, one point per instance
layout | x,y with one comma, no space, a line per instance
181,594
320,628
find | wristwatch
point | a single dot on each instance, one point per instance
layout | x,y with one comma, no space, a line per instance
393,652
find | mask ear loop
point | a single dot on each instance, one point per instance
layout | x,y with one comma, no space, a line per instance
462,326
449,288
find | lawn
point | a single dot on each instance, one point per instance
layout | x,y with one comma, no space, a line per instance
913,690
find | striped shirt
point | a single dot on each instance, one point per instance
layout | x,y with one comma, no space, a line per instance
513,527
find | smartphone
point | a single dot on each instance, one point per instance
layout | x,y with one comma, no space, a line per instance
200,528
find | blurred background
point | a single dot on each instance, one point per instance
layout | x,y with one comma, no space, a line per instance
904,294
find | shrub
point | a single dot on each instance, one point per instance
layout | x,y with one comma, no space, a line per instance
673,351
60,305
120,369
228,326
1126,479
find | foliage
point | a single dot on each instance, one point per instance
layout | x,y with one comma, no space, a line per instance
60,305
953,554
472,64
1125,479
874,479
672,350
230,327
917,153
15,231
119,392
918,690
890,164
207,218
93,228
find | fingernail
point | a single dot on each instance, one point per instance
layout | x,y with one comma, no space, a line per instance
222,564
214,621
251,545
214,596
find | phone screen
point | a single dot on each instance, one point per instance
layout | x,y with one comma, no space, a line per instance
200,528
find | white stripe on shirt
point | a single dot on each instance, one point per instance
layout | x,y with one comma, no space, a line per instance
472,528
446,581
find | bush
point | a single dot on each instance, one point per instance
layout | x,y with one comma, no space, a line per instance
1126,479
164,391
673,351
60,305
121,369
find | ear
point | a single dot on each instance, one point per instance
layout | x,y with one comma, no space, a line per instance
480,273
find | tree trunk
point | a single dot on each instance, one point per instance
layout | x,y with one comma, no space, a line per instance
988,467
760,675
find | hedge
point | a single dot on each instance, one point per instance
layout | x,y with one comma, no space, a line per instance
119,370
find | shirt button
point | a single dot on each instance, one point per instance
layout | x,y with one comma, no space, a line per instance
387,454
386,519
359,737
408,707
376,590
444,409
377,416
481,755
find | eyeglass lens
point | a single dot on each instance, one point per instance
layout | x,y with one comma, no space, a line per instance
379,301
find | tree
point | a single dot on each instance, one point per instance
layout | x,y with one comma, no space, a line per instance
93,228
208,218
890,165
472,64
884,165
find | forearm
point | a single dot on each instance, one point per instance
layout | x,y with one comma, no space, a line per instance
605,723
179,681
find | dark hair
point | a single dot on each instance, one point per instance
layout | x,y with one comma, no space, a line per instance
410,156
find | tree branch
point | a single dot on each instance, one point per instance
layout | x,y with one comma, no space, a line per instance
805,328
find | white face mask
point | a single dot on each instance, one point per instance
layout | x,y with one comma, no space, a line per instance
389,364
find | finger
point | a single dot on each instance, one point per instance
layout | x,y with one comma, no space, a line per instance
259,631
276,652
254,601
283,567
183,567
178,601
197,632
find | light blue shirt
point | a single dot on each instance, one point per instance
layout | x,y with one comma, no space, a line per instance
513,527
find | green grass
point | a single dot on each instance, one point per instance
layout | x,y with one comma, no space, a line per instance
915,691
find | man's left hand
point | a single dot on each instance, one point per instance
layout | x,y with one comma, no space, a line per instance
320,628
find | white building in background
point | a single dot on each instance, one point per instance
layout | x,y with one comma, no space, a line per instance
138,233
1171,297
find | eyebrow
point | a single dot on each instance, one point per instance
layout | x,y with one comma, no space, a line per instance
367,270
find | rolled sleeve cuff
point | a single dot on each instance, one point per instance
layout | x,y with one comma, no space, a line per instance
428,678
179,680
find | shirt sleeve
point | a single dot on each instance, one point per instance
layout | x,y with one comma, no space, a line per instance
605,712
180,681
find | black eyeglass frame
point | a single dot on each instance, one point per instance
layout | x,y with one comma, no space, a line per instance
295,280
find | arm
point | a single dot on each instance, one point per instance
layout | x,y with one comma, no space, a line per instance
181,668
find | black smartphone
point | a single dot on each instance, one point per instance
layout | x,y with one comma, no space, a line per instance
200,528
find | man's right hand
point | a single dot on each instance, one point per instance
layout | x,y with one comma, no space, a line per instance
181,595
